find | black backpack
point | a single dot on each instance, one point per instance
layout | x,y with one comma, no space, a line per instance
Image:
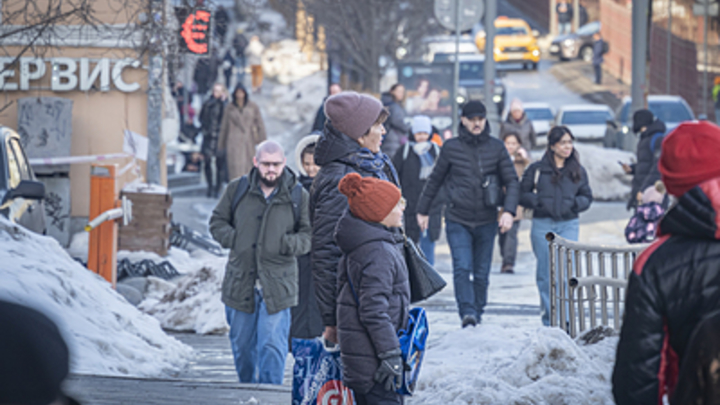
244,185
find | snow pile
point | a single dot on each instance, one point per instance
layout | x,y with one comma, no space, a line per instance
193,305
607,179
298,103
493,364
106,334
286,63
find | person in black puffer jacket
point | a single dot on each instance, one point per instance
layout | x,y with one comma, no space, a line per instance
350,143
472,167
645,172
210,119
373,289
557,189
675,283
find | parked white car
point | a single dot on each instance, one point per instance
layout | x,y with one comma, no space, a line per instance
587,122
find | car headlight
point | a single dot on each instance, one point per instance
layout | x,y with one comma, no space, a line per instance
460,99
497,50
497,98
625,129
568,42
536,52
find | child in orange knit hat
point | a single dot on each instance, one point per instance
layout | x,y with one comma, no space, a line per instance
373,289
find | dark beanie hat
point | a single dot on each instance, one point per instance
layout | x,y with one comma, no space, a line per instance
370,199
474,109
351,113
642,118
34,359
689,156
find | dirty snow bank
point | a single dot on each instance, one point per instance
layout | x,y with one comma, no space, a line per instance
493,364
191,305
607,179
106,335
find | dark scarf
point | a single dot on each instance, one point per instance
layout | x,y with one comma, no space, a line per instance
471,139
374,163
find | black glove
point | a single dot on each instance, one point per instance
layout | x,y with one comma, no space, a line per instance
390,370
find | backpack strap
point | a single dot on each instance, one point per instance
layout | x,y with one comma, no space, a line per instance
295,199
406,151
240,191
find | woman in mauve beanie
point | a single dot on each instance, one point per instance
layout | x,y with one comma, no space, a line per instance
690,156
350,143
352,113
369,199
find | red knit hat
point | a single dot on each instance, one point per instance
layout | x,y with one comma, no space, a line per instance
690,156
370,199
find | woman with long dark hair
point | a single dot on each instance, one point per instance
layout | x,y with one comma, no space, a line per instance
556,188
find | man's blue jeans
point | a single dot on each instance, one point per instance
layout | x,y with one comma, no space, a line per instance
472,250
540,227
259,342
428,247
564,28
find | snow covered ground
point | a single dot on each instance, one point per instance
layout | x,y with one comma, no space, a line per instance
505,364
106,334
508,359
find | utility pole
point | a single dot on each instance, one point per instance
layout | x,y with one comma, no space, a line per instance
154,97
576,15
456,71
490,15
668,49
639,53
706,20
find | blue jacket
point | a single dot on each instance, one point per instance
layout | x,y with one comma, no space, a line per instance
598,52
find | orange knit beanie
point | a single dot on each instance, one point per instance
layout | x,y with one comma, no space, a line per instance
370,199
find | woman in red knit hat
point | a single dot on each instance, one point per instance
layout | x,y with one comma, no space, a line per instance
373,289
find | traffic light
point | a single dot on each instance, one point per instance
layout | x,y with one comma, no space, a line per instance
194,30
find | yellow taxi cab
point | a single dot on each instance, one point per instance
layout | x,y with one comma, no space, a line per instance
515,42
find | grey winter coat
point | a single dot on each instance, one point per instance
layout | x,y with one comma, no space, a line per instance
397,130
523,128
369,313
263,242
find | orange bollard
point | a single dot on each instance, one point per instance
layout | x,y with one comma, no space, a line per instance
102,250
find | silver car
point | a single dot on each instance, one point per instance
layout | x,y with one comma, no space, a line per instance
587,122
21,195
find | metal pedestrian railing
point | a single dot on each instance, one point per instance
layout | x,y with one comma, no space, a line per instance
587,283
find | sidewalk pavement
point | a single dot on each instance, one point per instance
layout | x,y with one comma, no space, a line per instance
579,77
